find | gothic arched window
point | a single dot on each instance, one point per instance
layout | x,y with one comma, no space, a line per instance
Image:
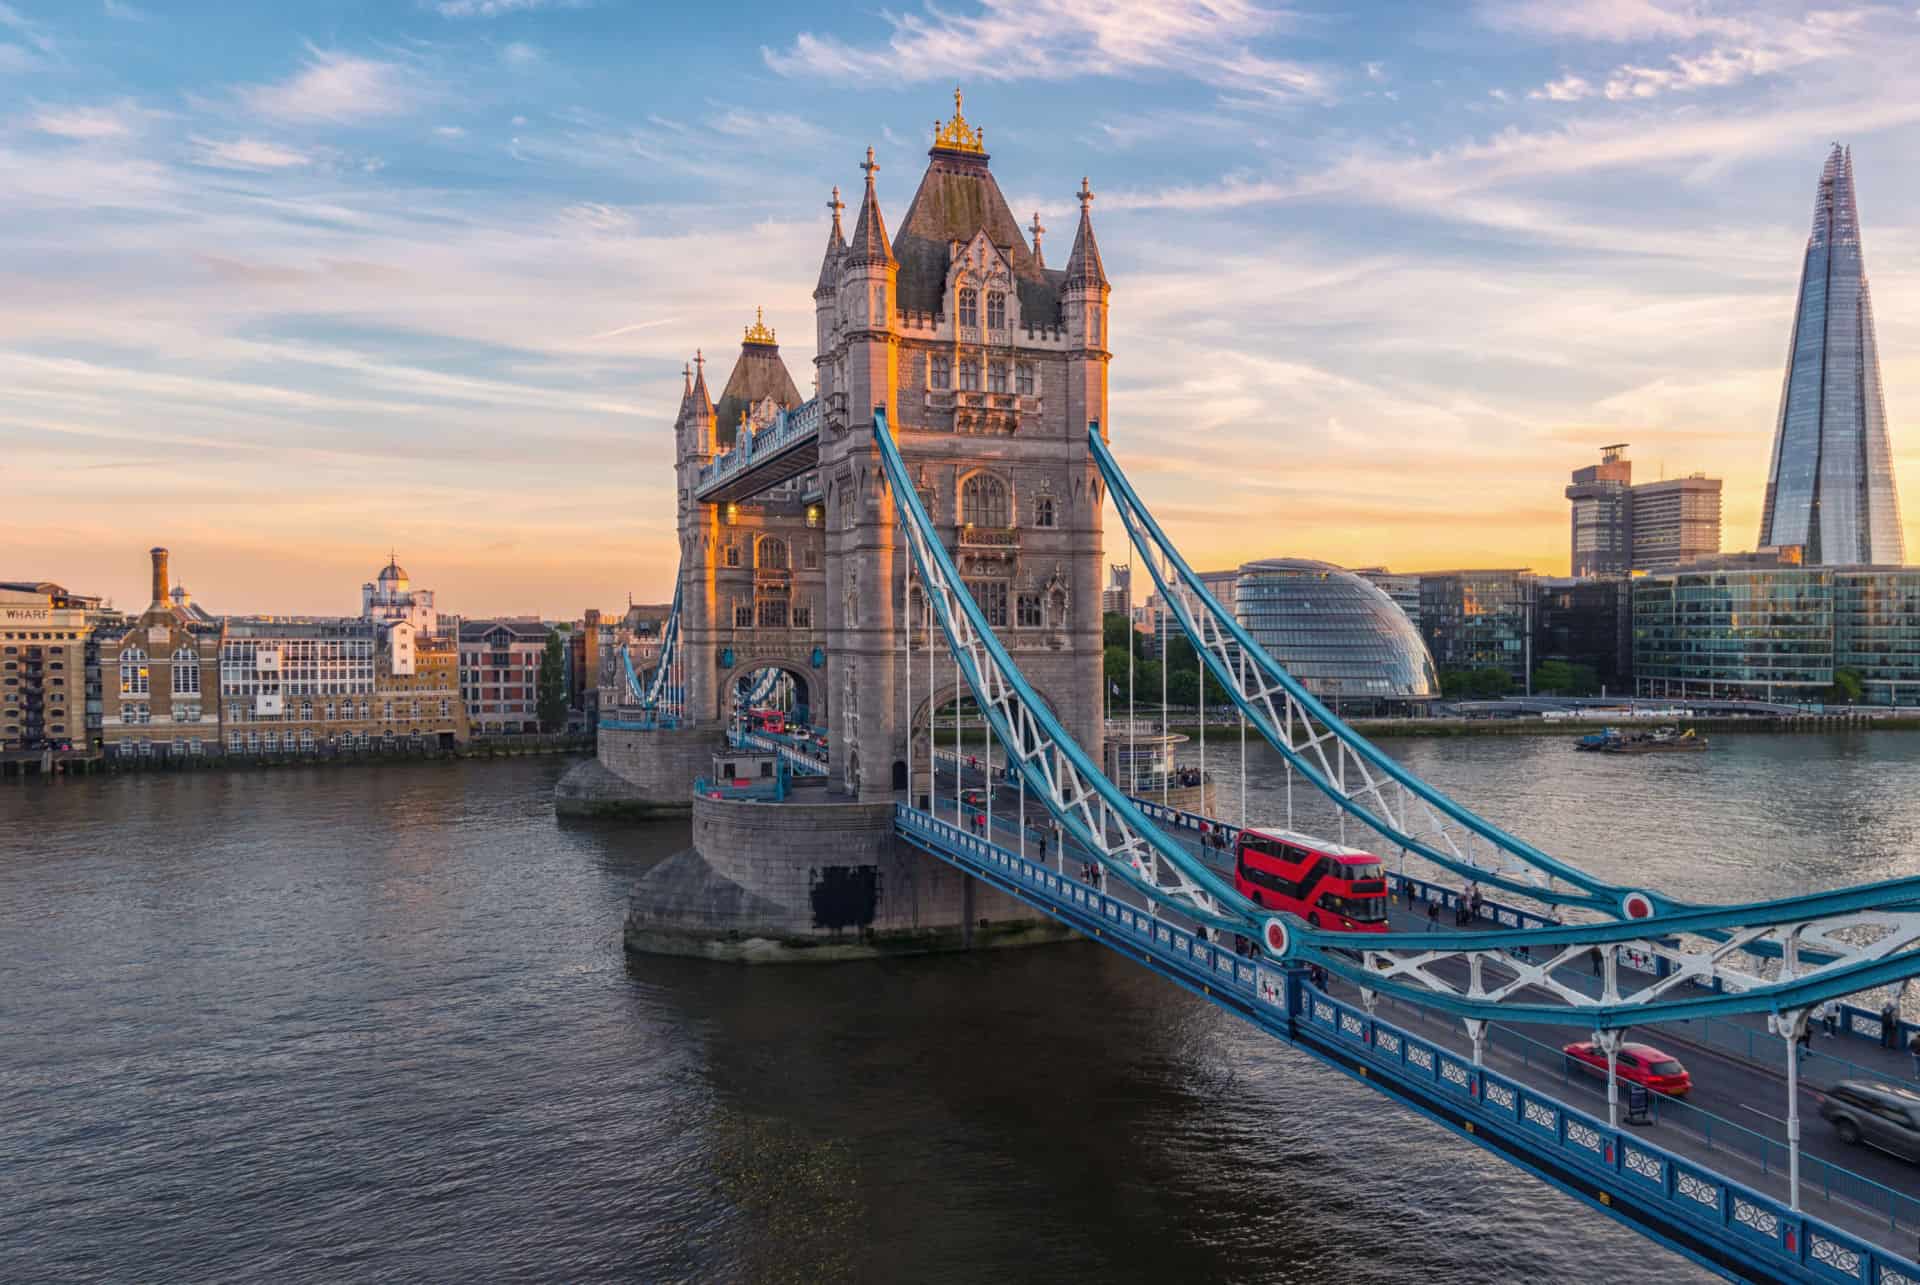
996,310
983,501
1043,511
969,306
969,375
771,553
939,372
133,672
186,672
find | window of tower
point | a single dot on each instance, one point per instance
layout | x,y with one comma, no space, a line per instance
996,310
969,306
992,597
1043,511
743,615
996,376
771,553
1023,379
1028,611
939,372
983,501
969,375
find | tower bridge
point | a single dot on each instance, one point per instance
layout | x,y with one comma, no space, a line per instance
926,532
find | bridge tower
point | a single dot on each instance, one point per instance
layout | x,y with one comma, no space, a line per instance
990,366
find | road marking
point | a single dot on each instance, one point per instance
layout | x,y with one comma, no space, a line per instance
1757,1111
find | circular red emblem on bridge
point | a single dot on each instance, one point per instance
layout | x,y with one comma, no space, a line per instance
1637,905
1276,935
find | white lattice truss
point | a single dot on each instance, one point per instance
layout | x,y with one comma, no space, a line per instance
1802,960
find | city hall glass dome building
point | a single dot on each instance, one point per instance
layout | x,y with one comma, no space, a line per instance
1339,634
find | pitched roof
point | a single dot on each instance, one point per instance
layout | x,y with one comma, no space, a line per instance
757,375
958,197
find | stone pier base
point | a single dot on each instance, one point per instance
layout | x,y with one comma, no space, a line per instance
638,774
816,881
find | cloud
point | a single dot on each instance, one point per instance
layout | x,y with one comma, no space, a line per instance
1059,39
82,122
31,32
1569,88
519,54
449,131
496,8
122,11
246,154
335,87
1615,21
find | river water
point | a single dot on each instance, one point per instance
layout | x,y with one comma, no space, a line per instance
377,1025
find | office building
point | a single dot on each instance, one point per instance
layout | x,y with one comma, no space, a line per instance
1675,522
1603,514
1752,634
1619,527
1586,622
1336,632
1479,620
1830,485
297,684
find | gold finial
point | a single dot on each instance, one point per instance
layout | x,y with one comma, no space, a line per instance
1085,194
871,166
758,332
956,135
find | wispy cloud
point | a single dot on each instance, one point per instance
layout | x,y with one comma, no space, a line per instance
337,88
246,154
1569,88
1022,39
1617,21
497,8
25,28
124,12
83,122
519,53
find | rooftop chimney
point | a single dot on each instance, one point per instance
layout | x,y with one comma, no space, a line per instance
159,575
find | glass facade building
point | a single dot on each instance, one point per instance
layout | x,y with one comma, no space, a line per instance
1479,620
1336,632
1830,486
1876,631
1587,622
1743,635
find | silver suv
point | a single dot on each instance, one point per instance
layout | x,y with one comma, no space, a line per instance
1881,1115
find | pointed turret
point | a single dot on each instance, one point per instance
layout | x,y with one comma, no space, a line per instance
1083,265
869,243
1039,259
697,411
836,252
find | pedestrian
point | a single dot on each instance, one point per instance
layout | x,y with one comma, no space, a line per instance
1043,847
1805,1040
1599,962
1913,1047
1433,915
1889,1026
1830,1017
1407,885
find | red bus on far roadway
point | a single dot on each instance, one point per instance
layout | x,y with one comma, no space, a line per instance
767,720
1327,884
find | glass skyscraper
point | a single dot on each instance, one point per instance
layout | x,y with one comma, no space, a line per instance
1830,485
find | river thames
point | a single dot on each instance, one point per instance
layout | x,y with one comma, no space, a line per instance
377,1025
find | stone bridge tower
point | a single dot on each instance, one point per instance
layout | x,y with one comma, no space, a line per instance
990,366
751,573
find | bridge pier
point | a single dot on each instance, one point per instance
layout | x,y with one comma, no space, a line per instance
816,881
638,773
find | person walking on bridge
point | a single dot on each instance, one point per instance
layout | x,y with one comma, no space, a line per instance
1913,1047
1889,1026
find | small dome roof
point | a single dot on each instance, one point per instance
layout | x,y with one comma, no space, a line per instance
392,571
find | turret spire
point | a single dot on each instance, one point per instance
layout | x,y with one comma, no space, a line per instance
1083,265
869,243
1035,228
836,251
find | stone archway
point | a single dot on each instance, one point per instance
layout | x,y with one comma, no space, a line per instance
809,685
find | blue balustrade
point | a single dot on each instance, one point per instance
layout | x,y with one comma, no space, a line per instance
1647,1185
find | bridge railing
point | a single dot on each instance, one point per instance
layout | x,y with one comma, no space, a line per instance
1281,1000
788,427
802,763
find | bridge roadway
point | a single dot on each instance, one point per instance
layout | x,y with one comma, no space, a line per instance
1740,1091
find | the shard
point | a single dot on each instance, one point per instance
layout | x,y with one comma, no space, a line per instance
1830,486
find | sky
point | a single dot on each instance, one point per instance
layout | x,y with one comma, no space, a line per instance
284,287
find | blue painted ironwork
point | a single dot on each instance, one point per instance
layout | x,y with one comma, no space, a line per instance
789,430
1725,1225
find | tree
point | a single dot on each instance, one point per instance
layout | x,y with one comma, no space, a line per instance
1563,678
553,684
1848,686
1475,684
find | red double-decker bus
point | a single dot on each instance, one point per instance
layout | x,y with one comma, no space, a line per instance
767,720
1327,884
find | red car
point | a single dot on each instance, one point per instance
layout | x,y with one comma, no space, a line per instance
1638,1064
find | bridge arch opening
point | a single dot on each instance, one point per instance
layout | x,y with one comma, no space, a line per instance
786,686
